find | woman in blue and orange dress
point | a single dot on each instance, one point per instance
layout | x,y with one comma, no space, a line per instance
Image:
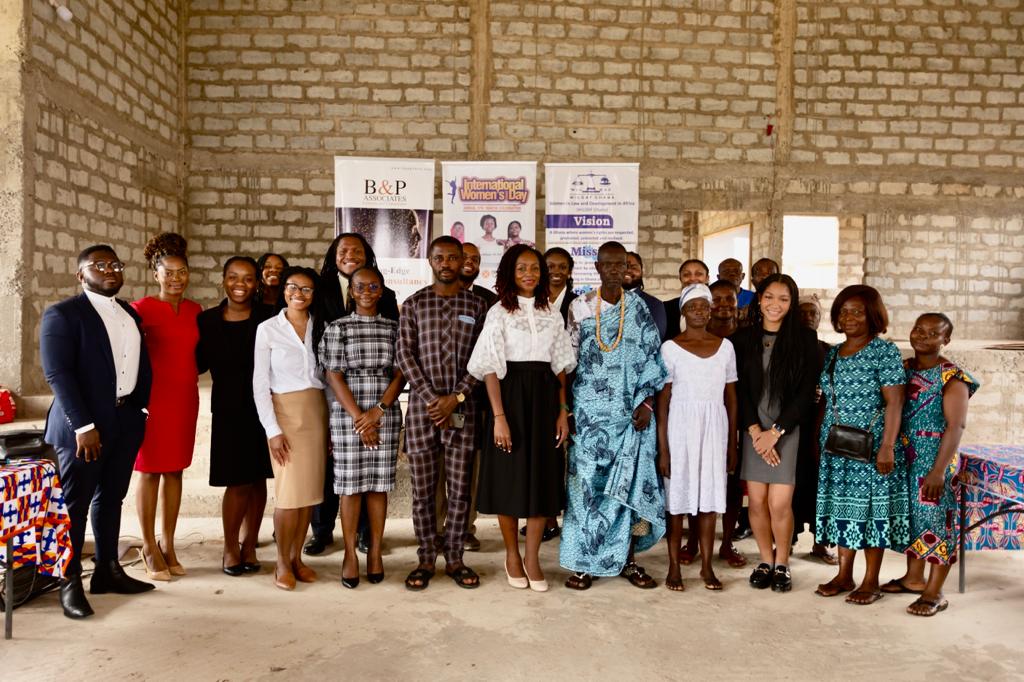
934,416
171,333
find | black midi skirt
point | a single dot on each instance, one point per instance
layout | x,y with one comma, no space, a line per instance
530,480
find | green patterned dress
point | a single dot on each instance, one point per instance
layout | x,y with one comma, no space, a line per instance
933,535
857,507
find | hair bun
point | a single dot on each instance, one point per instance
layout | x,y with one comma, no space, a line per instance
165,244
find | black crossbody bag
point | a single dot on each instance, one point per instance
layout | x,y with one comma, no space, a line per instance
845,440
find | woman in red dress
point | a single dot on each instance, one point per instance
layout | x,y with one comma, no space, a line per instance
171,334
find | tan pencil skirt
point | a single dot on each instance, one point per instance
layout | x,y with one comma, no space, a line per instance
302,416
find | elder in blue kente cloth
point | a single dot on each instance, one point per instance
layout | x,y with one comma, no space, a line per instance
615,502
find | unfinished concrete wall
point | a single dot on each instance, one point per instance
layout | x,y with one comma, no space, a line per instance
102,145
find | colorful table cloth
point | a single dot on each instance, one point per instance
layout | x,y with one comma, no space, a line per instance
993,478
33,515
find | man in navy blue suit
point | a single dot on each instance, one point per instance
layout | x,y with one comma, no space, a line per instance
96,364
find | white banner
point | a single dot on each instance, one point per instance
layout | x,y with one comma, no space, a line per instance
587,205
491,204
390,202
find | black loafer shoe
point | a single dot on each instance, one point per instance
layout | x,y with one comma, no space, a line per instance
72,598
761,577
782,581
316,545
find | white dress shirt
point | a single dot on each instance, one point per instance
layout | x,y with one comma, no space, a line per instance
282,363
525,335
125,343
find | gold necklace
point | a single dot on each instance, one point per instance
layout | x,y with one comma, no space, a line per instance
622,321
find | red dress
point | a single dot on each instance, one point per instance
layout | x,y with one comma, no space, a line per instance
174,400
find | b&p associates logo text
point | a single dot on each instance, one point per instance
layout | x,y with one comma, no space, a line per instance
385,191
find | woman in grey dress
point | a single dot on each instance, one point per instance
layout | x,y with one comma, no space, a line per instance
358,354
778,366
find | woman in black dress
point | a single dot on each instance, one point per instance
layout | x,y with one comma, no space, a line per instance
239,459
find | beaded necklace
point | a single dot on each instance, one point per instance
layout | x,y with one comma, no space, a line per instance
622,320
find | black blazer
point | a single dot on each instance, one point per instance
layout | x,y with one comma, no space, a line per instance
79,367
796,400
567,300
672,317
214,354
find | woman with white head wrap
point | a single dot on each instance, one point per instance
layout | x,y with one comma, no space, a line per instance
696,421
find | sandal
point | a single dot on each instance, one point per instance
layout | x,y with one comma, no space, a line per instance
713,583
872,597
637,576
832,588
824,556
896,586
579,581
675,584
418,579
733,558
933,606
464,577
686,556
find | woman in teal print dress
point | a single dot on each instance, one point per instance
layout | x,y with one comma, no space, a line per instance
862,505
934,417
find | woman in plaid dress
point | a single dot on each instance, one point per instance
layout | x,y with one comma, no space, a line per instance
358,353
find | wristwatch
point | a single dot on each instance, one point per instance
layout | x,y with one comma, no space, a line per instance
779,430
460,398
382,407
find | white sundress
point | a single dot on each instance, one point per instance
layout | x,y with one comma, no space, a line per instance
697,428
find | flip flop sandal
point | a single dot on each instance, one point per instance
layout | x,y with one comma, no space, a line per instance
463,576
827,558
934,606
579,581
637,576
675,585
875,596
418,580
896,586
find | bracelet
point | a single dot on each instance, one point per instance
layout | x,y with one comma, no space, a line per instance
649,408
564,406
499,415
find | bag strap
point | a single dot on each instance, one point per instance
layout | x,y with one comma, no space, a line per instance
832,385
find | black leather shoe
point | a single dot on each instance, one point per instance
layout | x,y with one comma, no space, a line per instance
782,581
72,598
233,571
317,545
471,543
110,577
761,577
251,567
363,544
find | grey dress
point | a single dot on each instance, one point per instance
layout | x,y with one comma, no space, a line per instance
754,468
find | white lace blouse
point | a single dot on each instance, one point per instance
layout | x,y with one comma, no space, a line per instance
525,335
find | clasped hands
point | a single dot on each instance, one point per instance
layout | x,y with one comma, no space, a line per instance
764,441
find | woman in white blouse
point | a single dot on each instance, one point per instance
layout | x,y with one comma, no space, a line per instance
289,395
523,355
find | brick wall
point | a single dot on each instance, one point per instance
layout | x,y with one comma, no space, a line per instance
102,144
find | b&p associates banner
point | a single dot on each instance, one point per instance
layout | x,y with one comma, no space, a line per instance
587,205
492,204
389,202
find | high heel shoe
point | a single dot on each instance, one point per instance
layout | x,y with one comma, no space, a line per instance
536,585
375,578
517,583
173,569
164,575
351,583
233,571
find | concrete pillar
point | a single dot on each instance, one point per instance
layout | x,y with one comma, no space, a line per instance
12,194
480,75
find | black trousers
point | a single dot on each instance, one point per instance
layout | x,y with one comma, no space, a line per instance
99,487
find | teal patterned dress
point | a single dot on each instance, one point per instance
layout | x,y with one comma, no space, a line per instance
857,507
933,534
613,483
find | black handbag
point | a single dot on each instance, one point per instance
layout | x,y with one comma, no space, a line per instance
845,440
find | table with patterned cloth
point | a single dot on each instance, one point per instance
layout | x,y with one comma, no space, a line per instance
991,499
34,522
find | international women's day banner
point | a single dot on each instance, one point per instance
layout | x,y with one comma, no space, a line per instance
389,202
491,204
587,205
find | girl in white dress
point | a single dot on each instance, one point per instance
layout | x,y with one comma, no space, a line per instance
696,430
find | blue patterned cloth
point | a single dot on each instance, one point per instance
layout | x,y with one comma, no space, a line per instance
933,531
613,482
858,507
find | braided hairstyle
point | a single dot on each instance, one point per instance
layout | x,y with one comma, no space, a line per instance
164,245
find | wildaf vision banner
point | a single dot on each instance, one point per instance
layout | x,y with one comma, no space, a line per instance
388,201
587,205
491,204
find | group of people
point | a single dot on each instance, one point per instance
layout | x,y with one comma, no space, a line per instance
622,412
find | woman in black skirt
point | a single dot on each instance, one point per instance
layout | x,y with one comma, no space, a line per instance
239,459
523,355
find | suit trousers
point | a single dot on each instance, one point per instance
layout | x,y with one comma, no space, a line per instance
99,487
426,447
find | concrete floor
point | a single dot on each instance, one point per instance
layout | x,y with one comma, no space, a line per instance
208,626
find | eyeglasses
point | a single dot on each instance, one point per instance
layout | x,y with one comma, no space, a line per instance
291,288
105,266
361,288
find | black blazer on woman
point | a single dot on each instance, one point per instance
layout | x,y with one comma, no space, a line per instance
570,296
796,399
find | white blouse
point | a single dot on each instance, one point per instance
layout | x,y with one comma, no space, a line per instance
283,363
525,335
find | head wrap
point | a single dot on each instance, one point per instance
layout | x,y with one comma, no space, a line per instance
694,291
811,299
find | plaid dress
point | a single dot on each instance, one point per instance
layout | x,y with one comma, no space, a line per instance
363,350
